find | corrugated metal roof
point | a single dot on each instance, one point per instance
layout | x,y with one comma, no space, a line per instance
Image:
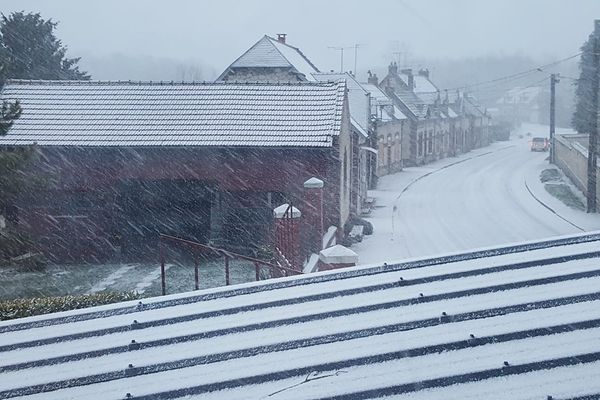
518,322
74,113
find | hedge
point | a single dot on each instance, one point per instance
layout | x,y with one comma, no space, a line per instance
20,308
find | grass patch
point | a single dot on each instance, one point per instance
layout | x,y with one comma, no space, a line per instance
21,308
550,175
564,193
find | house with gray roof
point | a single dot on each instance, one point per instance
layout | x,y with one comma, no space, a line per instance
440,125
271,60
391,127
363,138
125,161
274,60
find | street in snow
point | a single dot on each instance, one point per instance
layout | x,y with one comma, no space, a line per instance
476,200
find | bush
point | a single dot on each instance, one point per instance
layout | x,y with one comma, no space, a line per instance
20,308
368,227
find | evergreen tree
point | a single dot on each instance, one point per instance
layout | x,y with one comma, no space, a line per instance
30,50
584,118
8,113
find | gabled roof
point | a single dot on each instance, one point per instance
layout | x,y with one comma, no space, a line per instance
414,103
358,97
381,102
472,107
88,113
271,53
422,84
517,322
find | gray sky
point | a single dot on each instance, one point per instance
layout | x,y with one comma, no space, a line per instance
214,33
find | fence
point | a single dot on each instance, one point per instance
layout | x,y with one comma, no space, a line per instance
198,249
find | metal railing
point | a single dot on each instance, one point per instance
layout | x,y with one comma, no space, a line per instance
198,249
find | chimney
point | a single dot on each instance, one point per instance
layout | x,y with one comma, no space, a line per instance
411,78
424,72
281,37
373,80
393,68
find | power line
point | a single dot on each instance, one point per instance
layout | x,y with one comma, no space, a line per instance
517,75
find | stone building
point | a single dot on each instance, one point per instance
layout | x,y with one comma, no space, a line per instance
391,125
438,126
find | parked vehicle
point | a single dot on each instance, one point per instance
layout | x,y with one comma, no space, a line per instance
540,144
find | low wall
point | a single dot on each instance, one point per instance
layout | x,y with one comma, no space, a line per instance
571,158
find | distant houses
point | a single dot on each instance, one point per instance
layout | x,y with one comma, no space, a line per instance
210,161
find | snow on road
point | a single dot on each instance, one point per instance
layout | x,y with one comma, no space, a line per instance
476,200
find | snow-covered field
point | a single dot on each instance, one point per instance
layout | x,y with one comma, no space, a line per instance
489,196
142,277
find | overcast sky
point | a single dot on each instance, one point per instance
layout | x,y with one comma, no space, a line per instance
214,33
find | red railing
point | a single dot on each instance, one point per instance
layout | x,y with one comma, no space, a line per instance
199,248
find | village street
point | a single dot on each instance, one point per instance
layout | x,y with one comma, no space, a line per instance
486,197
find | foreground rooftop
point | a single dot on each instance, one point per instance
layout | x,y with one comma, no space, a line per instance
512,322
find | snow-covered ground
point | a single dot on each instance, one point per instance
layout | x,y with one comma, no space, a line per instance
489,196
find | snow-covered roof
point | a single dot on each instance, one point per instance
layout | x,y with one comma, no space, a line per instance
358,97
88,113
422,84
379,100
414,103
271,53
514,322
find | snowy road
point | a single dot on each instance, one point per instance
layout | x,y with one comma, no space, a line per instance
487,197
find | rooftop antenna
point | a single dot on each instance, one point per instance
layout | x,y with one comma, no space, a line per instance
356,47
341,50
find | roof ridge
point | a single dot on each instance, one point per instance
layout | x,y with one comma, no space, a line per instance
298,50
166,83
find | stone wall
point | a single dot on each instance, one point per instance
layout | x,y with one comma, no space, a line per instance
389,142
571,158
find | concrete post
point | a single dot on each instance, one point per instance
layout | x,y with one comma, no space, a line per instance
313,215
336,257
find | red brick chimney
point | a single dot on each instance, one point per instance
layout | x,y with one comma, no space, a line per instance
281,37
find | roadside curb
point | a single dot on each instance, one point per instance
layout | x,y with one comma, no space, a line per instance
550,208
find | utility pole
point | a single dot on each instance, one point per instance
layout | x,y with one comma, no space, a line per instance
553,81
593,141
